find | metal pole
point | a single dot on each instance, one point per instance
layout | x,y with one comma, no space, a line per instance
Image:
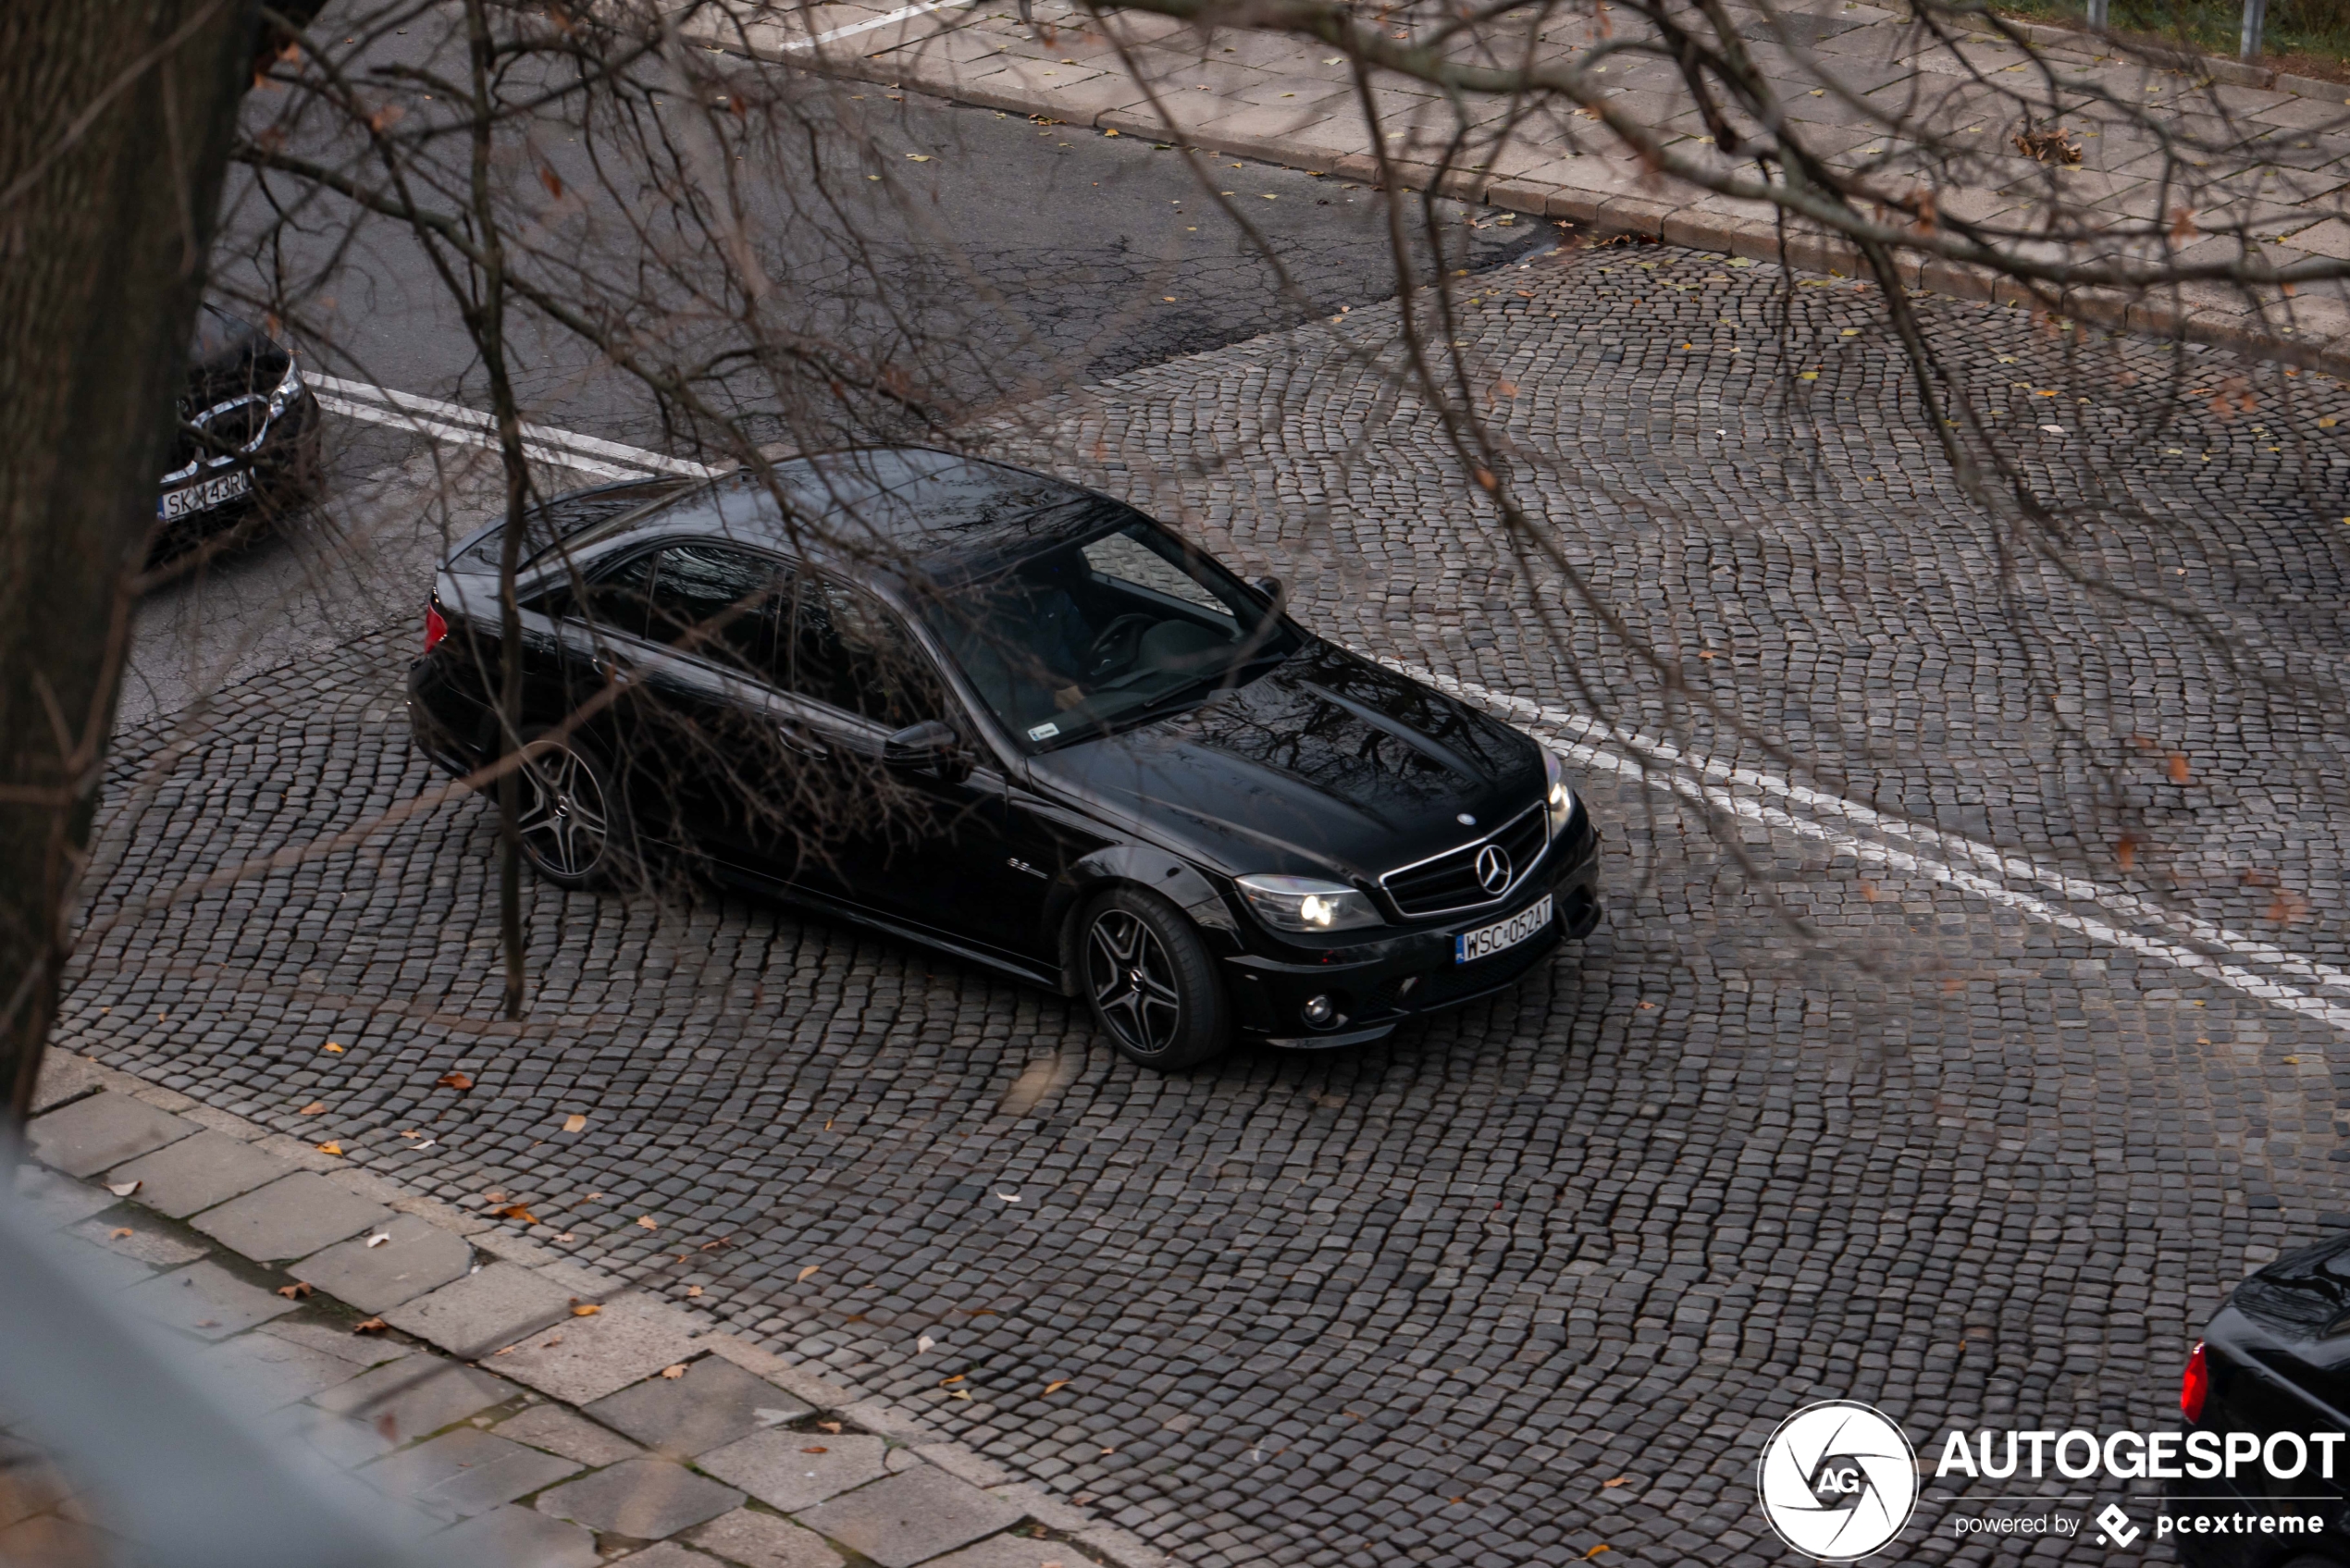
2096,16
2256,21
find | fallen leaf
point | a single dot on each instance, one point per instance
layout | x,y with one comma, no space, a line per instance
551,180
550,1341
373,1325
411,1132
1109,133
1617,1481
693,1289
948,1382
919,157
673,1373
957,1394
207,1323
119,1232
566,1236
806,1272
315,1106
2179,767
1486,481
1596,1550
452,1081
378,1238
333,1049
575,1123
585,1309
1055,1386
2125,854
832,1427
1009,1197
122,1189
296,1290
816,1448
495,1195
330,1148
516,1211
922,1345
648,1222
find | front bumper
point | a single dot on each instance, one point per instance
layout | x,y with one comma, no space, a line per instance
1374,987
281,469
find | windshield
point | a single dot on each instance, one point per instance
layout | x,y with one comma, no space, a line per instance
1088,637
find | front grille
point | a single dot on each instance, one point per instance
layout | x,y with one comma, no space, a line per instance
1448,882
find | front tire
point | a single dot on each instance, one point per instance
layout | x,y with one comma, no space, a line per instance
1151,981
573,820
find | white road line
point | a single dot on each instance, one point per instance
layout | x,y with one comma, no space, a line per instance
1591,743
456,422
853,29
1715,785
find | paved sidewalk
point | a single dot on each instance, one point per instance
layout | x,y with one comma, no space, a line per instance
524,1411
2281,163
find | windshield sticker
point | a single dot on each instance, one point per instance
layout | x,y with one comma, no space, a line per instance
1043,731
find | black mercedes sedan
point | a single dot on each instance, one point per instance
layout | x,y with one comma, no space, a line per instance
2264,1477
1017,720
248,432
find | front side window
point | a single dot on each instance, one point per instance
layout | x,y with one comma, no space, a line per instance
1089,637
845,650
715,601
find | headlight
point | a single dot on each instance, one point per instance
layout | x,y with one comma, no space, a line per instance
288,389
1559,794
1306,904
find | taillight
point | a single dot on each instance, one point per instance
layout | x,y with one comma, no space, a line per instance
2194,1383
435,627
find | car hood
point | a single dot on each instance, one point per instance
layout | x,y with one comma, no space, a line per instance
1327,765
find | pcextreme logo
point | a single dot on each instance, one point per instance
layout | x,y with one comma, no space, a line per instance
1837,1480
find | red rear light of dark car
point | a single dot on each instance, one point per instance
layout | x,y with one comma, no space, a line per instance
2194,1383
435,627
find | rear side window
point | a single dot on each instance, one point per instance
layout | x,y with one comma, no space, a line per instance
621,599
717,602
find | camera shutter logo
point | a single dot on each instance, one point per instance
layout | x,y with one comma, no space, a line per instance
1837,1480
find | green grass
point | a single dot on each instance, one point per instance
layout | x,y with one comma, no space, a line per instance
2304,31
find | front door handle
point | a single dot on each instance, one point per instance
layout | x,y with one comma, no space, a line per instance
611,666
802,744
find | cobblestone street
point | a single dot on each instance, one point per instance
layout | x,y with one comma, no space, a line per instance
1810,1116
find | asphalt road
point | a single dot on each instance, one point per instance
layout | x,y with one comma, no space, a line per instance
1019,261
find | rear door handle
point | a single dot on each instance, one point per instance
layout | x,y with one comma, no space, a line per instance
611,666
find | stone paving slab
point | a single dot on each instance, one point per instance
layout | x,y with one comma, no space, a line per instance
712,1404
464,1473
198,1172
100,1268
54,1200
261,1372
765,1540
910,1518
410,1398
418,1257
642,1499
583,1359
292,1218
207,1301
566,1432
509,1537
1014,1551
101,1132
791,1471
498,1306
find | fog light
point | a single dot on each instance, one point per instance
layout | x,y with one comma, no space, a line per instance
1321,1012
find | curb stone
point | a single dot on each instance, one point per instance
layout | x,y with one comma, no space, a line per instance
68,1079
2207,316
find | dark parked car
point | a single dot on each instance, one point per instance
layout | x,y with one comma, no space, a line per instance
248,433
2275,1360
1019,721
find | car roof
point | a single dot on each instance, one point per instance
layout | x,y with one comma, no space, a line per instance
940,514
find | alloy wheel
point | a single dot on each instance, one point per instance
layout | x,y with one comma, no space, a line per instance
563,822
1134,982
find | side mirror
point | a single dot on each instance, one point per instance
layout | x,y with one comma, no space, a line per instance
1275,593
927,744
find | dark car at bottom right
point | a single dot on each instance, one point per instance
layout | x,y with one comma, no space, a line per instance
2270,1381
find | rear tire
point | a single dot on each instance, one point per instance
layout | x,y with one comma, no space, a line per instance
1151,981
573,819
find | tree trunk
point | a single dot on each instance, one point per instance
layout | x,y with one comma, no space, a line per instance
114,125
